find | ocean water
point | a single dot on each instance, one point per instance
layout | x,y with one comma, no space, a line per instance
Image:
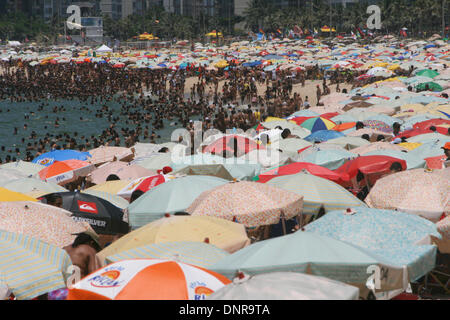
90,125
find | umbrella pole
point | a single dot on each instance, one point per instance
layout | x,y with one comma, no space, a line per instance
283,222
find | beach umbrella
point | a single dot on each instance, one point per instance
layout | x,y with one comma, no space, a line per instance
7,195
27,168
330,159
378,125
117,201
104,154
424,125
125,171
226,235
323,135
148,279
412,161
295,168
32,186
285,286
368,165
317,192
62,172
196,253
291,145
344,118
427,194
396,236
252,204
432,86
31,267
103,216
303,113
348,143
317,124
111,187
344,126
429,137
170,197
226,144
376,146
47,223
314,254
154,162
48,158
215,170
427,73
429,149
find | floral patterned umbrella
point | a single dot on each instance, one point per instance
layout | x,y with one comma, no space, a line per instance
252,204
419,191
378,125
44,222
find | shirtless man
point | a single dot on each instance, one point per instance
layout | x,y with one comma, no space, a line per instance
83,252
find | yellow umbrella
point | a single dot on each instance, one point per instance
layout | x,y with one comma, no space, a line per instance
214,34
222,64
11,196
226,235
393,67
112,187
410,145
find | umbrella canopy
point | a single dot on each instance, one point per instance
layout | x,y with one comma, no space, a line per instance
46,223
31,267
48,158
396,236
317,124
154,162
106,154
143,184
412,162
427,194
427,73
63,172
317,192
323,135
117,201
376,146
148,279
330,159
123,170
285,286
430,86
7,195
10,174
170,197
226,235
32,185
27,168
226,144
348,143
103,216
196,253
252,204
297,167
314,254
215,170
368,165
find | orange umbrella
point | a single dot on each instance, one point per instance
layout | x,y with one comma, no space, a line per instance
66,171
148,279
344,126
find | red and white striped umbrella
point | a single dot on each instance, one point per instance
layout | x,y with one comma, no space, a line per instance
148,279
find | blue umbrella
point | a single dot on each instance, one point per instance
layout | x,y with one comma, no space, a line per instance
49,158
393,235
324,135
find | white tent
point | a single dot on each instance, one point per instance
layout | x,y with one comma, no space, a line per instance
14,43
104,48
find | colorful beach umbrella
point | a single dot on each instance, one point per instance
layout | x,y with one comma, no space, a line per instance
226,144
148,279
48,158
323,135
63,172
123,170
31,267
170,197
196,253
252,204
226,235
427,194
317,124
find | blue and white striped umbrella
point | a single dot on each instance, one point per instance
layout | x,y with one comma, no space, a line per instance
196,253
396,236
31,267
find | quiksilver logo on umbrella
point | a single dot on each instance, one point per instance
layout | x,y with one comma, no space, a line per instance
87,207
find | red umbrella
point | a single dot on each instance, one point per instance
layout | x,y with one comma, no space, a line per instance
300,120
226,143
367,165
119,65
438,123
413,132
330,115
297,167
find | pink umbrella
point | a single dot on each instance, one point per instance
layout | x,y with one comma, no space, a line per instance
121,169
378,146
105,154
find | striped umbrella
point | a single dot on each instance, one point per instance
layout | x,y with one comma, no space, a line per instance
197,253
317,192
317,124
148,279
31,267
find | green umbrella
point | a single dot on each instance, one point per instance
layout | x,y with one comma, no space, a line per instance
331,159
348,143
170,197
428,73
305,252
431,85
317,192
291,146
